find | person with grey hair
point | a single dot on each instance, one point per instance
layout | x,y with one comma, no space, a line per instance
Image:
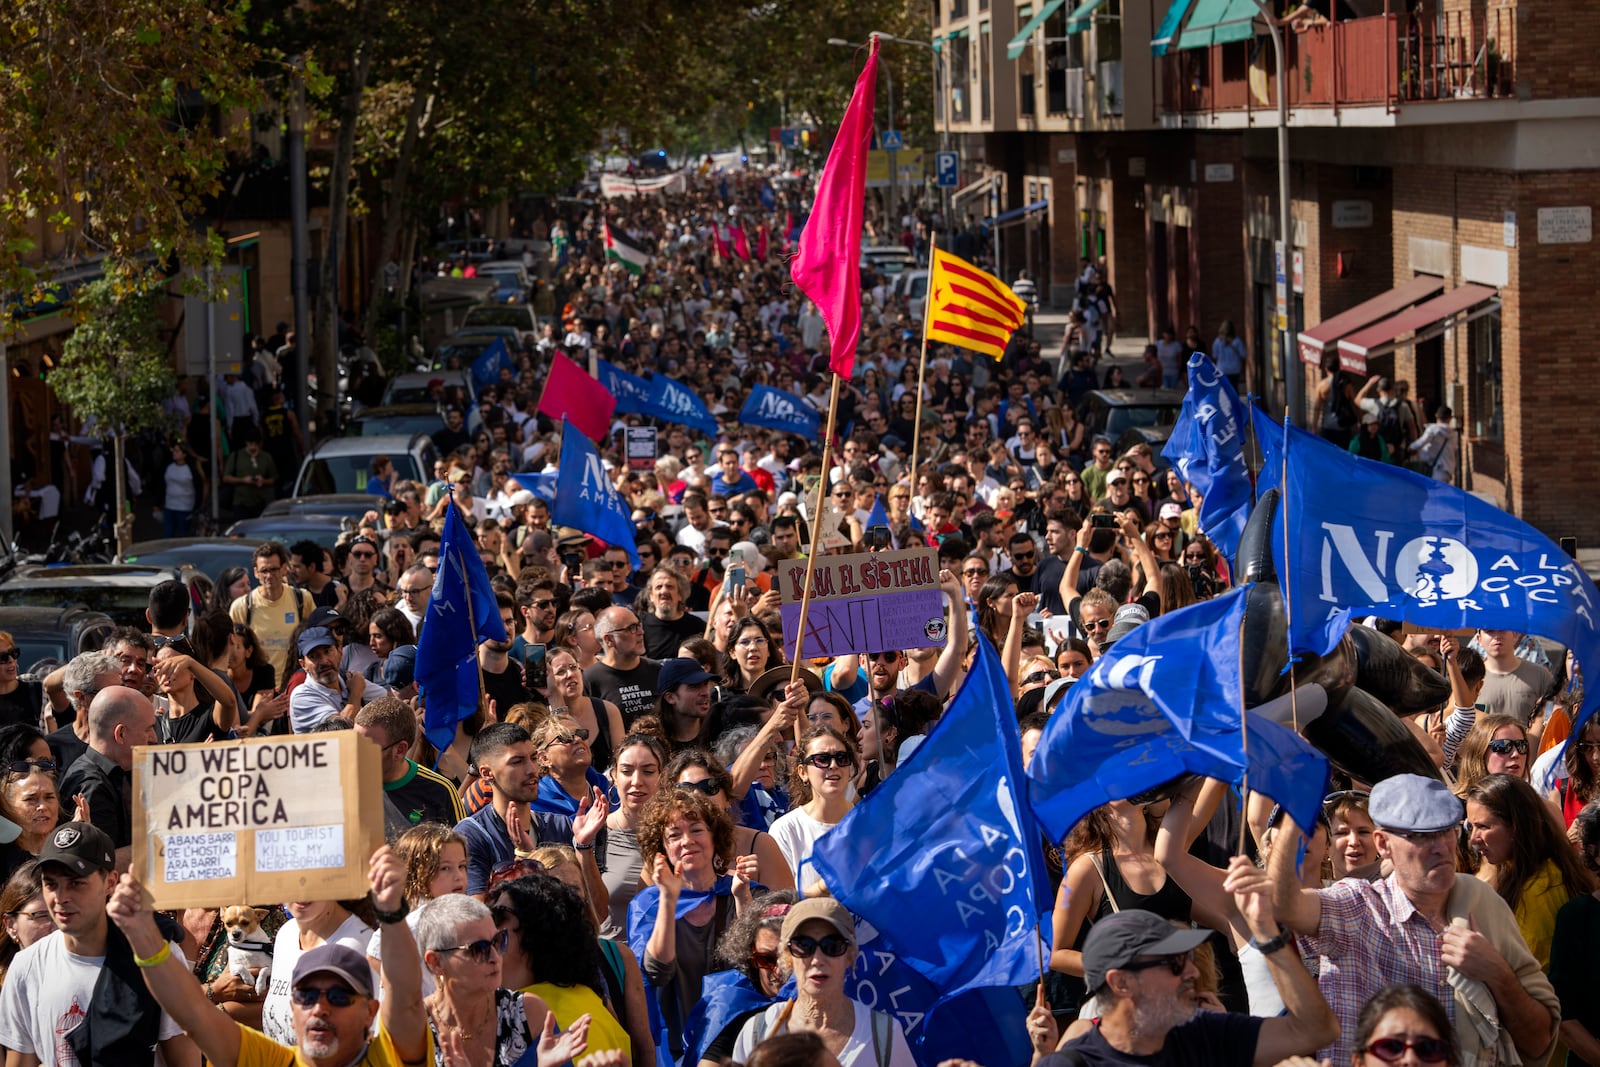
79,682
463,952
623,675
765,801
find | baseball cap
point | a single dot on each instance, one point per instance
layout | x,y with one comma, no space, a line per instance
680,671
1116,476
79,847
314,638
324,617
1119,939
399,670
1414,804
522,498
336,959
1128,616
825,909
1171,511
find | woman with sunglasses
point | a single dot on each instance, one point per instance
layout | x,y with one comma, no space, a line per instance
1498,744
751,952
469,1012
1405,1025
824,793
29,795
818,947
1526,858
21,700
751,653
697,891
566,766
599,718
698,770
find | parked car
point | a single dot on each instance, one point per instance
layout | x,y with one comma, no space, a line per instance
416,387
520,316
208,555
911,289
50,636
287,529
345,505
464,350
344,464
887,259
391,419
120,590
510,275
1135,414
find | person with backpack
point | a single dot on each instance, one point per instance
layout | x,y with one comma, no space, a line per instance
274,608
1336,401
1397,422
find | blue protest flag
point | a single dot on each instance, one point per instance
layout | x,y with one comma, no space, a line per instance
461,612
942,859
1207,448
587,499
542,486
632,392
1163,701
877,516
1284,766
769,199
779,410
486,368
1371,538
673,401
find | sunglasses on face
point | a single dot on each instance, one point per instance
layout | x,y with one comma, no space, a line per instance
832,945
975,572
765,960
707,787
10,655
1024,557
1175,964
564,738
28,766
1393,1049
1504,746
484,949
1040,676
338,996
1097,624
824,760
510,871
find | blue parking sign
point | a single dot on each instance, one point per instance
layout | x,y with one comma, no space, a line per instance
949,168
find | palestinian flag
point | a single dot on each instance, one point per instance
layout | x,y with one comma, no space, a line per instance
622,249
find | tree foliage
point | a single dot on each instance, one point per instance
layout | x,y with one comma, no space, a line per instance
114,367
109,127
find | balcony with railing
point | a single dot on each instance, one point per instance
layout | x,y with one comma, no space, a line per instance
1380,61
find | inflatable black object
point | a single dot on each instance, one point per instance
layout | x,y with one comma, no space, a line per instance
1350,700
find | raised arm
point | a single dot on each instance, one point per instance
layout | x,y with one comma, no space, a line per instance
1022,606
747,767
400,1013
947,671
1203,882
1298,908
1069,578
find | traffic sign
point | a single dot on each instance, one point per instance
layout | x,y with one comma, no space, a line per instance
949,168
891,141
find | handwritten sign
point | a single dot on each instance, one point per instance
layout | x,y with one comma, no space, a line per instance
865,602
279,818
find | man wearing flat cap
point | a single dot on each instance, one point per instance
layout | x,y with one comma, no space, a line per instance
1140,969
1452,936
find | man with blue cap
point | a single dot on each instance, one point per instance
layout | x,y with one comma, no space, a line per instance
324,693
1452,936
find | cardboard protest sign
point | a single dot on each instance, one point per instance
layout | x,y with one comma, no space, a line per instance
268,819
865,602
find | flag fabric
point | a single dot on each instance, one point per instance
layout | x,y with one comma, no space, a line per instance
569,393
779,410
586,497
741,243
828,265
971,307
762,246
620,248
918,857
673,401
1284,766
486,368
721,244
1164,700
1207,448
632,392
1370,538
788,230
769,199
447,659
878,516
542,486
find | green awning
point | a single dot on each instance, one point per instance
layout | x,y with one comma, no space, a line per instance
1219,22
1081,16
1020,41
959,31
1166,35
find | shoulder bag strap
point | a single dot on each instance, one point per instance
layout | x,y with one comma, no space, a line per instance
1100,869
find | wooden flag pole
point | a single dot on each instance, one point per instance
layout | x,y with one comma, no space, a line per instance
472,620
922,369
1288,600
816,538
1244,745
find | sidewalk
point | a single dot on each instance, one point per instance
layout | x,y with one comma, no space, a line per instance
1050,326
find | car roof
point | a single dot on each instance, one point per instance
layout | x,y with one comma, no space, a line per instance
1133,398
287,528
325,503
390,410
377,444
124,574
423,377
21,617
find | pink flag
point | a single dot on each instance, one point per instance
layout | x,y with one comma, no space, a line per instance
828,266
761,244
584,402
741,243
722,246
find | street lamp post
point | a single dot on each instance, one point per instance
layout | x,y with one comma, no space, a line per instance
1291,356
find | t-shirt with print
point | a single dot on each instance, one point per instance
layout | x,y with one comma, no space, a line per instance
45,997
632,691
423,796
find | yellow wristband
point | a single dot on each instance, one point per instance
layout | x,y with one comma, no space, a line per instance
158,959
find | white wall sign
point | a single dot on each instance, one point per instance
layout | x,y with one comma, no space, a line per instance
1136,166
1067,155
1508,230
1352,214
1486,266
1219,172
1565,226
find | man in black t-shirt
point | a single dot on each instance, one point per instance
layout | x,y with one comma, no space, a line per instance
502,677
667,623
622,675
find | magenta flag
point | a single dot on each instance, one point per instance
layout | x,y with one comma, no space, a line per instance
570,393
716,237
761,244
741,243
828,266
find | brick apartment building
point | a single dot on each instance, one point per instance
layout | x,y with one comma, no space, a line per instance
1445,166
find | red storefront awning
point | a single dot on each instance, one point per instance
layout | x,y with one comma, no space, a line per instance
1325,335
1424,321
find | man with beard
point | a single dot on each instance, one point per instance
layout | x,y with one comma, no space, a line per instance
502,679
685,708
1141,971
332,997
622,674
324,694
502,756
667,623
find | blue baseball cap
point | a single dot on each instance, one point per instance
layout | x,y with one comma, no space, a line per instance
681,671
314,638
399,670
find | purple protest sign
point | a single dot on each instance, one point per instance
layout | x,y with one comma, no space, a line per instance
865,602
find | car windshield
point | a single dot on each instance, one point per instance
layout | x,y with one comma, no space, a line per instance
125,604
36,647
507,316
378,425
408,394
1121,419
348,474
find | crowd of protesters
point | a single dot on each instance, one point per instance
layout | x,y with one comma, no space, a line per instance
611,863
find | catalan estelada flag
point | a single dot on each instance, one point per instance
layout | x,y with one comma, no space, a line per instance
971,307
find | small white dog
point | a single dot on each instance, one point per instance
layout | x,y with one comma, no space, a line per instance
249,947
